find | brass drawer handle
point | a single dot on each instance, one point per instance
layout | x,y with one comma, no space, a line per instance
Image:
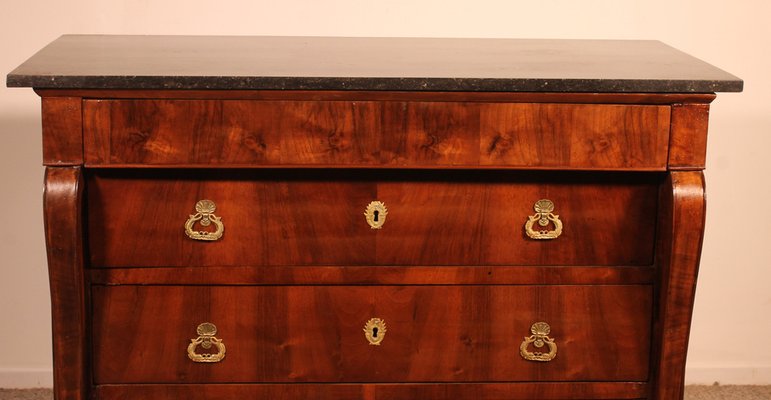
374,331
205,216
539,338
375,214
543,214
206,340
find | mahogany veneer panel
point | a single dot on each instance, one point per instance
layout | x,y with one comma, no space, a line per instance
270,218
314,333
688,142
62,136
468,218
301,217
376,133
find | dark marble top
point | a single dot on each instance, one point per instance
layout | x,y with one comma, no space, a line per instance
326,63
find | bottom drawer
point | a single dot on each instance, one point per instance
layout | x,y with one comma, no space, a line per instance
147,334
381,391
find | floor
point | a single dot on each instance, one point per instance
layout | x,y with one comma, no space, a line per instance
691,393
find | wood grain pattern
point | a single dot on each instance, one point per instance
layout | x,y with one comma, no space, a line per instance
64,243
477,219
369,133
62,131
375,275
272,218
430,133
477,391
681,231
314,333
590,136
688,142
301,217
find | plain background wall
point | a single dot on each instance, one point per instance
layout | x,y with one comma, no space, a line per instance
732,319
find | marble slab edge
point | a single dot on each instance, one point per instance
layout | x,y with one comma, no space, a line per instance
373,83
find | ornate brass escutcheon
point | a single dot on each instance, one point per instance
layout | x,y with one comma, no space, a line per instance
205,216
206,340
543,215
376,214
539,338
374,331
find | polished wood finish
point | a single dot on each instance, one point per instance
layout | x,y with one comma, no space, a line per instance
681,231
314,333
298,228
62,126
688,142
382,391
369,133
376,275
300,217
134,133
580,136
62,204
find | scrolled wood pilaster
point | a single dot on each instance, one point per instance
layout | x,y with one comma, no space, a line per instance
62,203
681,230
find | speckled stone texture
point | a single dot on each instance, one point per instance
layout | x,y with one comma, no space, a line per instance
340,63
691,393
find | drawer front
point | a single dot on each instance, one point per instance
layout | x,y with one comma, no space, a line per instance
376,133
302,217
144,334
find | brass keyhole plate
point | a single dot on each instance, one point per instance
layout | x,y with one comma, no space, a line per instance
374,331
375,214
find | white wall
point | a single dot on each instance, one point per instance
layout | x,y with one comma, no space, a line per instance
732,321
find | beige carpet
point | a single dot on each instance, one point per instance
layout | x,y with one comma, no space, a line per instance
691,393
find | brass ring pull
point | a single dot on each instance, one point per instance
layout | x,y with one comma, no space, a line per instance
375,214
205,216
206,340
543,214
539,338
374,331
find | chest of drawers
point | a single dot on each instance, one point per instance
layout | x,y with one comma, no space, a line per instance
323,218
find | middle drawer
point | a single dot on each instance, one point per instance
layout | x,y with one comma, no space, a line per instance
315,217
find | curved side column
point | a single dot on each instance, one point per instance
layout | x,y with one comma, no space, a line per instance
62,204
681,230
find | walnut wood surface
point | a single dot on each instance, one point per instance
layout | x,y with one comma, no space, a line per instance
376,133
62,131
681,231
375,275
62,203
424,391
312,217
298,226
314,333
688,141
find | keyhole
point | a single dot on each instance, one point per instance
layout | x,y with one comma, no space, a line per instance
374,330
376,213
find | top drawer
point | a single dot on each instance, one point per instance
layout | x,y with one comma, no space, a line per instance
375,134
